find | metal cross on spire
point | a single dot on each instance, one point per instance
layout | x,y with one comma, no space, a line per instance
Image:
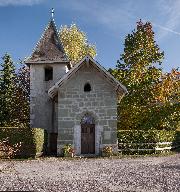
52,13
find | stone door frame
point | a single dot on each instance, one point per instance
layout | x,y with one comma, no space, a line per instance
77,134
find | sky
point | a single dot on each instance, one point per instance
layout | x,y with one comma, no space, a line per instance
106,23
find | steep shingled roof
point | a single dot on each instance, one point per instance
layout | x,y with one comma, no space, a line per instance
49,48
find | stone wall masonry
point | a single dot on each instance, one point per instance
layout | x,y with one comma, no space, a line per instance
101,102
40,103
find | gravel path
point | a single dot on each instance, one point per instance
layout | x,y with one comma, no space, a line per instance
53,174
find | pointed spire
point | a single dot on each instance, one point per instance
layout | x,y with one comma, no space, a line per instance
49,48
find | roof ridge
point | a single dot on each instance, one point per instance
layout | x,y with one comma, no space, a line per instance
57,33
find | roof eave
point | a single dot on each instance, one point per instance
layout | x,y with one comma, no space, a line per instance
47,61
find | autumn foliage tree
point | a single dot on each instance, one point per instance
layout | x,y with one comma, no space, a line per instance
75,43
167,109
139,70
168,88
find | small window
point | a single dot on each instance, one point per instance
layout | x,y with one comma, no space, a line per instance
87,87
48,74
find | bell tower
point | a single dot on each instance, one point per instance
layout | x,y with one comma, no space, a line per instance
48,63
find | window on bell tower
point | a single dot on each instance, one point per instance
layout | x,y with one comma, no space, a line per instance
48,73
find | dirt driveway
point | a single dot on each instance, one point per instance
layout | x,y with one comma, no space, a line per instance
53,174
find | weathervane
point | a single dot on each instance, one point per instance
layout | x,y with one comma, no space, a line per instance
52,13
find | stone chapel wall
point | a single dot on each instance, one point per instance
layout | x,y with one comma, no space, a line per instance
73,103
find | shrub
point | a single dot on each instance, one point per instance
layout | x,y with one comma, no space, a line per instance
8,151
32,140
143,142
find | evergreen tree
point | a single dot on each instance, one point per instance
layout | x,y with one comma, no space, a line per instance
7,92
23,95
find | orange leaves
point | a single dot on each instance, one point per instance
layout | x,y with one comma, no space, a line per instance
168,89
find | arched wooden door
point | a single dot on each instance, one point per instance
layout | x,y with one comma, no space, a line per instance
87,135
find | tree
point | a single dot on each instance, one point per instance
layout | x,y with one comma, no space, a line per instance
166,111
23,95
75,43
168,88
14,94
7,92
139,70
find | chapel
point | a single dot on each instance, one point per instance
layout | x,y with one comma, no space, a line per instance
76,104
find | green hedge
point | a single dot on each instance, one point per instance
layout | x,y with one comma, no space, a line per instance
33,140
142,142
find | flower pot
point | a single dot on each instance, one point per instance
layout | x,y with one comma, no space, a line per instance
106,154
69,155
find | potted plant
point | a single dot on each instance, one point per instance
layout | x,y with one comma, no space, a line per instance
107,151
68,151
